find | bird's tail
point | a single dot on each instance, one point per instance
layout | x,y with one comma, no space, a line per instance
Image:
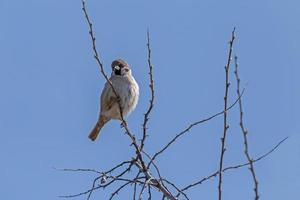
96,130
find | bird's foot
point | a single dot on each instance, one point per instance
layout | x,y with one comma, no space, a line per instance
123,124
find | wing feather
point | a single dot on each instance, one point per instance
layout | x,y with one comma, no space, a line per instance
108,98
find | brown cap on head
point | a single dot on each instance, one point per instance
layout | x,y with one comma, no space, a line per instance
119,62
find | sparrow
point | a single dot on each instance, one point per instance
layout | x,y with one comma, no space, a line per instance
128,91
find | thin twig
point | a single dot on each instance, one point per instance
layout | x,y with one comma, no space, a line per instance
119,189
134,191
232,167
103,186
143,188
120,165
245,132
226,126
108,180
189,128
149,193
151,86
155,166
95,171
79,170
93,187
158,184
93,38
257,159
198,182
178,190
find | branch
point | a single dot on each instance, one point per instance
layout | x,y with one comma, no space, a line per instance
106,180
226,126
93,38
245,132
231,167
178,190
119,189
151,85
149,193
189,128
80,170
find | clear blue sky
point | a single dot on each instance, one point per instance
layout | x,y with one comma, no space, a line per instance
50,86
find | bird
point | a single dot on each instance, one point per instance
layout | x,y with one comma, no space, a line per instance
127,90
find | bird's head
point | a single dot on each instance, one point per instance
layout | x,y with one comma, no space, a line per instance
120,67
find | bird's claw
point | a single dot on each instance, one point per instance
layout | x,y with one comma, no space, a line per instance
123,124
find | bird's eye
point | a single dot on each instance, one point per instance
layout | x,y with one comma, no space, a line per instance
126,70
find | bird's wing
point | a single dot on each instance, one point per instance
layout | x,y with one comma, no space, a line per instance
108,98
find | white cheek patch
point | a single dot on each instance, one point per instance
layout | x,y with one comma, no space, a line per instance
117,67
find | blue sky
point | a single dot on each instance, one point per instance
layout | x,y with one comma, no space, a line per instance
50,86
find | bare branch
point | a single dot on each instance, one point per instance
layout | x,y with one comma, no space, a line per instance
143,188
79,170
226,126
149,193
257,159
120,165
198,182
232,167
134,191
93,38
119,189
106,180
151,86
189,128
178,190
245,132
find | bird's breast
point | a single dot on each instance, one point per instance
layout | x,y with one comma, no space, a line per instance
128,92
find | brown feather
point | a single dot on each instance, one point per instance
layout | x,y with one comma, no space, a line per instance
107,104
96,130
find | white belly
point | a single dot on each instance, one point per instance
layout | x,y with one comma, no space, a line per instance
128,91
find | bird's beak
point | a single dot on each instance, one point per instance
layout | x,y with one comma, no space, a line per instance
117,67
